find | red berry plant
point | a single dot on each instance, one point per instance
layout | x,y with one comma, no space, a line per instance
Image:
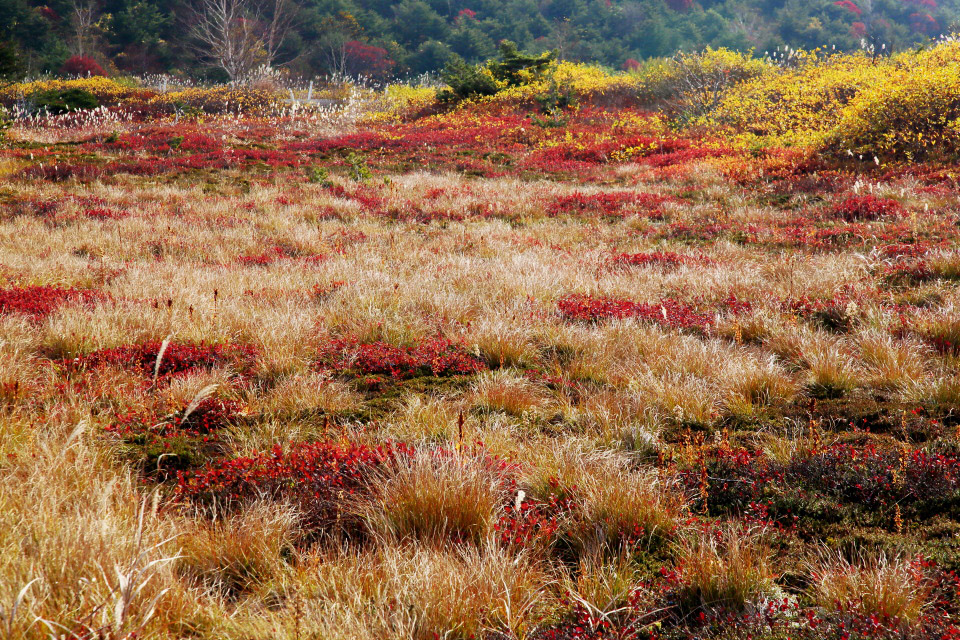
177,358
432,357
38,301
322,479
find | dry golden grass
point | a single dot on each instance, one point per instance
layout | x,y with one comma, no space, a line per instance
728,569
880,586
435,498
237,553
83,546
597,420
413,593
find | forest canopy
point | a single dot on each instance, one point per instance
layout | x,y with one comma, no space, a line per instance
389,39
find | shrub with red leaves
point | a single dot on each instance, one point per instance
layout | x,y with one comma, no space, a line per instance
668,312
660,259
317,477
178,358
367,60
263,259
83,66
859,208
207,417
37,302
830,313
533,523
849,6
906,272
437,357
103,213
617,204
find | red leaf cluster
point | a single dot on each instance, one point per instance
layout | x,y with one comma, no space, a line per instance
37,302
178,358
860,208
436,356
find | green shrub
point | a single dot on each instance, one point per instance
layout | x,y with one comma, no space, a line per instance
65,101
359,170
5,121
318,175
513,69
556,99
466,81
516,67
10,67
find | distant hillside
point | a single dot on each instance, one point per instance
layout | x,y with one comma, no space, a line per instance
383,39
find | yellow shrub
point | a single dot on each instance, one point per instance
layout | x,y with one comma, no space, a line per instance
911,110
220,100
693,84
906,106
585,81
798,106
106,90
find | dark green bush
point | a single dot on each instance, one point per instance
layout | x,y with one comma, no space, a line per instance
66,101
466,81
471,81
513,63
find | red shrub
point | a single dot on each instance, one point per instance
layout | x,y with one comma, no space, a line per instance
367,60
318,477
667,312
178,358
857,208
849,6
607,204
209,415
436,357
660,258
82,66
103,213
533,523
37,302
263,259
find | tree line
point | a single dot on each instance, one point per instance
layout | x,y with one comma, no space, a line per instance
224,40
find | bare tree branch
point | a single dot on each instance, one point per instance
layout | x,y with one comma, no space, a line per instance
240,35
83,22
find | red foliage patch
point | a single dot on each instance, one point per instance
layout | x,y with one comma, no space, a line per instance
616,204
660,259
860,208
82,66
436,356
37,302
179,358
668,312
276,253
317,477
103,213
532,522
208,416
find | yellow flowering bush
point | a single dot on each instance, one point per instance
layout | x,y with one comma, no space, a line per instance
110,93
403,98
901,107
